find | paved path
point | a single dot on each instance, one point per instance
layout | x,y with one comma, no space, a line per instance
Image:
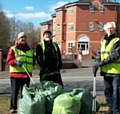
72,79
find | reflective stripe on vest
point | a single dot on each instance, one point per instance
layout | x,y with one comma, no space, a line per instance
113,67
25,57
43,51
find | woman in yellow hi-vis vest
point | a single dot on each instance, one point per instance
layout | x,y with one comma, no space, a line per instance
108,59
18,55
49,59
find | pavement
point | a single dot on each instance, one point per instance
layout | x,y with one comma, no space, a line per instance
86,66
72,79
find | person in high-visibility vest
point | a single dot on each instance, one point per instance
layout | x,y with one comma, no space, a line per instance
48,57
18,55
108,59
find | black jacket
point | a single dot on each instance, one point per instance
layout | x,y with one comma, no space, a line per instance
51,59
114,55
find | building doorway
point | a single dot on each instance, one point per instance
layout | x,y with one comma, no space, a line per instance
83,43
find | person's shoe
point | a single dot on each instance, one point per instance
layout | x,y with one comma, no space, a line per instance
12,111
108,112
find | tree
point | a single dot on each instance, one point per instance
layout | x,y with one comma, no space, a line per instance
4,31
19,26
32,33
16,26
10,27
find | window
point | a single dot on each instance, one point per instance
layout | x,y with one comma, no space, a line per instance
70,27
84,47
71,10
91,8
44,26
70,47
91,27
83,43
100,27
58,14
96,3
58,29
101,9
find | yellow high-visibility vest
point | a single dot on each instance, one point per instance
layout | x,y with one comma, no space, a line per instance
43,51
113,67
25,57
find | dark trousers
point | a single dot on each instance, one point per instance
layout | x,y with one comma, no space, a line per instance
16,85
111,90
55,78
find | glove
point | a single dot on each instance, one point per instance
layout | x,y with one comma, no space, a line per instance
95,71
18,63
114,55
95,68
57,71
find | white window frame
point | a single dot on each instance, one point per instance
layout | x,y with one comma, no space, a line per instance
58,29
44,26
58,13
83,43
91,27
70,27
100,27
91,8
70,45
71,9
84,47
101,9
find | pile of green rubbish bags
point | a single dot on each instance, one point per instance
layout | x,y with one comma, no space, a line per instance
50,99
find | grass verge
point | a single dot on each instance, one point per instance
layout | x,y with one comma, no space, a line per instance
4,105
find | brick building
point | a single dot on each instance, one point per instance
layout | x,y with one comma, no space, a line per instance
80,25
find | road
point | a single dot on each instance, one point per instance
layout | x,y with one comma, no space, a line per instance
72,79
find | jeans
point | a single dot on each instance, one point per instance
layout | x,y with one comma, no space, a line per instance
111,91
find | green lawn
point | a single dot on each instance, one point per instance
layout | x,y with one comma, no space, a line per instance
4,105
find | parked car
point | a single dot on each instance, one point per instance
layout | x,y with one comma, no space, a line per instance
5,52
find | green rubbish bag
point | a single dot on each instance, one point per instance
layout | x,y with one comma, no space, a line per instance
66,104
51,91
86,99
33,101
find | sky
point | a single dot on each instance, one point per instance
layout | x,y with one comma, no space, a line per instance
35,11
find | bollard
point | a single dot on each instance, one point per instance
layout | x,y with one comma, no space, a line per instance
1,60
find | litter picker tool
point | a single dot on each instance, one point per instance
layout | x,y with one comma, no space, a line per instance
94,95
28,74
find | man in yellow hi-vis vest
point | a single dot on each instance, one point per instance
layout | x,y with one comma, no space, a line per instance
18,55
108,59
48,57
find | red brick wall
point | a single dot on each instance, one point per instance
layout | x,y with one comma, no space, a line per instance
81,19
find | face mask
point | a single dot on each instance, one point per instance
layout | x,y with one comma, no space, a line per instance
47,39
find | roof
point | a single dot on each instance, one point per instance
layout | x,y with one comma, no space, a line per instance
84,2
79,2
72,3
46,22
